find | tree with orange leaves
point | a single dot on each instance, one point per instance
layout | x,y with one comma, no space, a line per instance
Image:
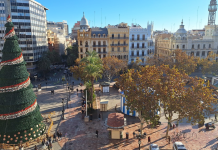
77,70
179,59
112,66
139,89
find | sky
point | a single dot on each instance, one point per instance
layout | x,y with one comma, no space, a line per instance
166,14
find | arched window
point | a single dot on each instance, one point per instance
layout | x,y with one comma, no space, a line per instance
94,43
99,42
104,42
183,46
177,46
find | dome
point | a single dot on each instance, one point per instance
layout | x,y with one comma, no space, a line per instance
84,21
181,30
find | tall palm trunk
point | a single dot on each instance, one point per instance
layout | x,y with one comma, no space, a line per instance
92,81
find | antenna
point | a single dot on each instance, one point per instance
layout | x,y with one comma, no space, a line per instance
197,19
101,17
94,18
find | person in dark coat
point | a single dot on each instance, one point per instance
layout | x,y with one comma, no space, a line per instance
149,139
77,91
99,116
54,137
169,139
35,147
96,133
60,135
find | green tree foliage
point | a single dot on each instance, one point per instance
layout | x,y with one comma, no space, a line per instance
44,63
72,55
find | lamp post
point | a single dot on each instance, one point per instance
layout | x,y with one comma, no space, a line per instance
63,108
139,136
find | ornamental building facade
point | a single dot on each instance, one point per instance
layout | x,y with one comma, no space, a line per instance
141,43
119,41
192,44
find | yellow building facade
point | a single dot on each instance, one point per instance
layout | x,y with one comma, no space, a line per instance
119,41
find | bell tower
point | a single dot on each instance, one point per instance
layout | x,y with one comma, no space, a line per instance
212,8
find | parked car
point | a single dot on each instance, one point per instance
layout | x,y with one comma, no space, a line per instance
154,147
210,124
178,146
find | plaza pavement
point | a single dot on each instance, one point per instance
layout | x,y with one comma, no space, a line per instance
81,136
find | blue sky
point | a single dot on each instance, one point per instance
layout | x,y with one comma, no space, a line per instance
164,13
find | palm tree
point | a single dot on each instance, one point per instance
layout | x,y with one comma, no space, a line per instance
93,69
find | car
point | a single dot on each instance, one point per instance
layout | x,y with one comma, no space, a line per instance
154,147
210,124
178,146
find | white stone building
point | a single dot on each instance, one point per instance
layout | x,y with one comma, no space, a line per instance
141,43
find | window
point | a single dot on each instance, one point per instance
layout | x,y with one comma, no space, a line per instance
81,50
198,46
81,43
124,42
137,53
143,53
133,37
118,42
94,43
104,42
143,37
124,49
143,45
177,46
81,34
86,49
112,42
132,45
99,50
124,35
138,37
99,35
94,49
209,45
183,46
193,46
118,49
99,42
104,35
104,50
203,53
104,56
94,35
197,54
86,43
99,56
112,49
81,56
204,46
112,36
118,36
137,45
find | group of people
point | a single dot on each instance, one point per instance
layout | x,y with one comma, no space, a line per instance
47,142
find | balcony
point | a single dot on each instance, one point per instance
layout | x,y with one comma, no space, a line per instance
119,37
119,44
97,37
140,39
86,45
99,45
134,56
102,52
138,48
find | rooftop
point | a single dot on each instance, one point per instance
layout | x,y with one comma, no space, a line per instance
115,120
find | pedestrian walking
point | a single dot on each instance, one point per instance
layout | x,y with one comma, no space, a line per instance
60,135
215,116
77,91
48,147
81,90
73,83
169,139
54,137
35,147
96,133
99,116
149,139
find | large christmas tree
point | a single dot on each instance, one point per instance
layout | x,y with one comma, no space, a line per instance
20,118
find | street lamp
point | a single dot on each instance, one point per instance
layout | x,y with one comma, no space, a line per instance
63,108
139,136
